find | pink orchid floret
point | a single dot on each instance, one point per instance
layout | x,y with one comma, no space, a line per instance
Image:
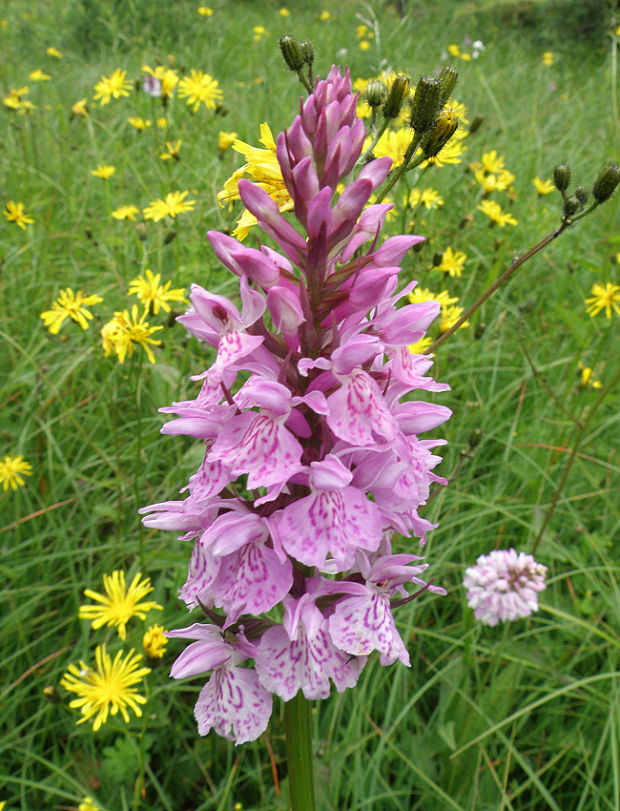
504,585
313,460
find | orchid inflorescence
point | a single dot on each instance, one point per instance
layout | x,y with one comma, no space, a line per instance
312,456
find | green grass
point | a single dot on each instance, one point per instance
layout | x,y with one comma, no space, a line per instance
523,717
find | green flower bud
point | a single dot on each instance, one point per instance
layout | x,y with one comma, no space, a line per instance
307,51
396,96
437,257
169,237
571,206
605,184
426,104
582,194
292,53
376,93
447,79
441,133
475,124
475,438
561,176
141,231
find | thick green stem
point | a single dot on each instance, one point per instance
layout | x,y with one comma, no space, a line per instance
299,752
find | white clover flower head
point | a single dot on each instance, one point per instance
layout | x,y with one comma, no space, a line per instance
504,586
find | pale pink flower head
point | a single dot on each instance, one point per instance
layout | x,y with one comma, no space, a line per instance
504,586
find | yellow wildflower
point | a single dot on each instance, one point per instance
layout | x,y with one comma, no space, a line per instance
80,108
12,471
167,78
119,604
15,100
604,298
543,186
124,332
259,32
69,305
162,123
139,123
173,151
420,347
284,12
429,198
490,162
587,377
364,45
452,262
393,144
205,11
200,87
154,642
88,804
226,139
51,51
38,76
126,213
103,171
154,295
547,58
107,689
494,212
264,169
113,86
324,16
449,316
174,204
14,212
454,50
494,182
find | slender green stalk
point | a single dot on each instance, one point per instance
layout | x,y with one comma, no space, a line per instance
299,752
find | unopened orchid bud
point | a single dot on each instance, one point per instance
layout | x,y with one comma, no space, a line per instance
606,183
447,78
441,133
396,96
561,177
426,104
291,53
376,93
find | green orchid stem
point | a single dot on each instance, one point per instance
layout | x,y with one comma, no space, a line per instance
298,726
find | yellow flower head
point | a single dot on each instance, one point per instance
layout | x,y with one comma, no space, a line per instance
173,151
494,212
103,171
226,139
154,642
88,804
80,108
119,604
284,12
124,332
167,78
38,76
587,377
162,123
200,87
205,11
69,305
393,144
494,182
263,167
12,471
324,16
452,262
113,86
126,213
543,186
259,32
51,51
491,162
449,316
107,689
14,212
175,203
429,198
153,295
606,298
451,153
139,123
547,58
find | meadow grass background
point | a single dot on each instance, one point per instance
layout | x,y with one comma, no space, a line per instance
525,716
